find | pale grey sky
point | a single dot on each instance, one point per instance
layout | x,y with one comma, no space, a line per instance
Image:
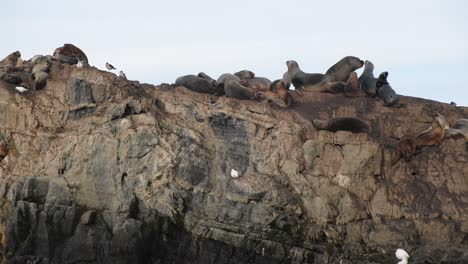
423,44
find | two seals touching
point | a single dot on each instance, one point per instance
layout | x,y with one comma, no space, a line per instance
248,79
377,86
197,84
351,124
277,94
332,81
233,88
459,129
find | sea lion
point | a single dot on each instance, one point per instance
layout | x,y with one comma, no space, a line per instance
460,124
69,54
40,73
277,94
249,80
4,149
351,88
232,87
196,84
385,91
332,81
434,134
367,81
286,80
351,124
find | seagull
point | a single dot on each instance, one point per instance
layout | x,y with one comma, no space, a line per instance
234,173
453,103
109,66
79,64
402,255
122,75
21,89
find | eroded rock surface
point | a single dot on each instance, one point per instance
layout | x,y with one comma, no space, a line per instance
103,170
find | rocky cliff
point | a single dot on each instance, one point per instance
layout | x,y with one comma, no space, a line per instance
105,170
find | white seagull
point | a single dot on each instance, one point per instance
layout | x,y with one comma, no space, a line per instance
79,64
109,66
122,75
234,173
21,89
402,255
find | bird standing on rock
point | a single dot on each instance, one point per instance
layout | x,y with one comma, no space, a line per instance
402,255
21,89
122,75
109,66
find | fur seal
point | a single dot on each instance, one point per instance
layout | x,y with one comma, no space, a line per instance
206,77
367,81
286,80
351,124
249,80
385,91
459,129
351,88
196,84
332,81
4,149
233,88
11,60
277,94
434,134
40,74
69,54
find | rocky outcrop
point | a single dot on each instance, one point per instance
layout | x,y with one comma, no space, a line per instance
104,170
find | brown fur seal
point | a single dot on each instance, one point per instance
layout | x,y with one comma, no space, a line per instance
459,129
4,149
385,91
69,54
40,74
232,87
367,81
434,134
351,88
206,77
249,80
332,81
351,124
277,94
196,84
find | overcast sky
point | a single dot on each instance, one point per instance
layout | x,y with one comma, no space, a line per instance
422,44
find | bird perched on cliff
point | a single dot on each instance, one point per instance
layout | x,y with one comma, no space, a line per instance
21,89
234,173
453,103
110,66
402,255
122,75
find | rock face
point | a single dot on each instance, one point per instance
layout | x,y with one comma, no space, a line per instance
103,170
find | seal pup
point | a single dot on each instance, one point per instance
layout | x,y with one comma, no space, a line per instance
122,75
232,87
385,91
110,66
196,84
367,81
434,134
276,94
351,88
351,124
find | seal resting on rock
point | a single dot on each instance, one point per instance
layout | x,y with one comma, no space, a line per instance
459,129
332,81
277,94
249,80
385,91
196,84
434,134
351,124
10,61
206,77
40,74
232,87
69,54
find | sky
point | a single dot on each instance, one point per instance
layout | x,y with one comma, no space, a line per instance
422,44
